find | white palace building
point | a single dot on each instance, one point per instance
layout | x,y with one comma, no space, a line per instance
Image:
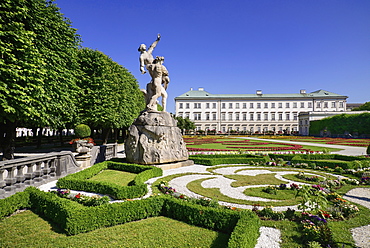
255,113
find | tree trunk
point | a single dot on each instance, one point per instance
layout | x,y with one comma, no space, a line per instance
8,133
39,137
106,132
60,130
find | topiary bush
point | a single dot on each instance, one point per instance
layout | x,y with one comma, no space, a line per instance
82,131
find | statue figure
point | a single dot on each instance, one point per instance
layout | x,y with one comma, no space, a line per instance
158,84
159,74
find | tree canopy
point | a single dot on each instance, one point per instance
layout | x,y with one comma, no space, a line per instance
110,95
365,106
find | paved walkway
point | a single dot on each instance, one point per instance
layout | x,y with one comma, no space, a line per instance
346,150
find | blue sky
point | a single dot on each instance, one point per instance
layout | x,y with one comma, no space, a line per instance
236,46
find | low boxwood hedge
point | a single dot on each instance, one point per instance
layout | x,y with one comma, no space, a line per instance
227,159
136,188
74,218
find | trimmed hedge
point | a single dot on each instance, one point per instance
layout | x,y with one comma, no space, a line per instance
227,159
136,188
74,218
12,203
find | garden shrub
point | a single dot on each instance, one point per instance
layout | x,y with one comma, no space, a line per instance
137,188
12,203
82,131
368,150
246,231
228,159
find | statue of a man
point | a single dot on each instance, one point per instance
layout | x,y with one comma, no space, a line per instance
146,56
158,85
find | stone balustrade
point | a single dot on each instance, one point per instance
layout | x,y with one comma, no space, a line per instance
17,174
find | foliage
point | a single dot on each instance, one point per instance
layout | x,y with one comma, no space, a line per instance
78,181
313,198
12,203
81,198
185,123
349,123
82,131
111,97
38,68
365,106
368,150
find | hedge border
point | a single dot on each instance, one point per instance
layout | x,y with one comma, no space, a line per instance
136,188
74,218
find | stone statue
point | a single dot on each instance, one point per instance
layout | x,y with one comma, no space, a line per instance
154,137
159,74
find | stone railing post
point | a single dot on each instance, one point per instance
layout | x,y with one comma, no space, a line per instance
20,177
2,183
10,180
29,175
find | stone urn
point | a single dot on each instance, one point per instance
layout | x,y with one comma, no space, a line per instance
82,146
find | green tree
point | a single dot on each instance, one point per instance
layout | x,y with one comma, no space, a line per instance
365,106
111,96
37,68
184,124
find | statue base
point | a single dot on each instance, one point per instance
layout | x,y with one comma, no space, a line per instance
154,138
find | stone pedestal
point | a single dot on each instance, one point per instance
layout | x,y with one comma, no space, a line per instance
154,138
83,160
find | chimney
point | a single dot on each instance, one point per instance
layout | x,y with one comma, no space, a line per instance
259,92
191,89
302,91
200,89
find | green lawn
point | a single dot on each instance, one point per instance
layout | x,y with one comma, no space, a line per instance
27,229
118,177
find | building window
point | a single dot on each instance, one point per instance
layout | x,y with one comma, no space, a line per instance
266,117
309,105
237,105
207,105
251,105
251,116
237,116
230,105
287,105
180,114
180,105
207,116
214,116
266,105
280,105
197,105
280,117
223,105
230,116
272,105
341,104
287,116
214,105
187,115
258,116
333,104
188,105
244,116
302,104
325,104
197,116
244,105
294,105
295,117
258,105
318,104
223,116
272,116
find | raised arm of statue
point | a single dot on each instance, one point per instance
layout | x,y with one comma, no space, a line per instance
152,46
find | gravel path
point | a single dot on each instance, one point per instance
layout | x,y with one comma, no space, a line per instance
361,235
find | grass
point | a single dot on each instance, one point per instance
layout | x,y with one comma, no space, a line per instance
121,178
214,193
27,229
245,180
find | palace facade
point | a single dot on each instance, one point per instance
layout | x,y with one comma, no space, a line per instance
255,113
